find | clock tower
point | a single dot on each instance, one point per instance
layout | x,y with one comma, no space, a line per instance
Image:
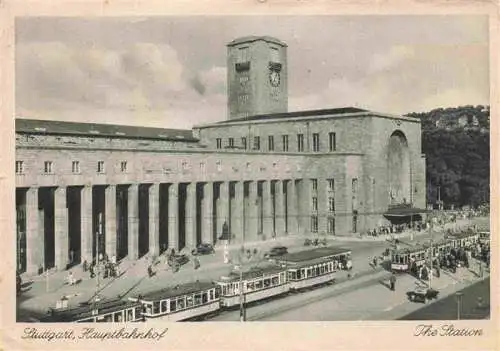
256,76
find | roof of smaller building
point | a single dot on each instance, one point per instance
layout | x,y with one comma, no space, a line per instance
314,254
105,130
308,113
178,290
251,38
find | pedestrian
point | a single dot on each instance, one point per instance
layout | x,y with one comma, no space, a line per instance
85,266
150,271
196,263
92,273
71,279
71,256
392,281
375,261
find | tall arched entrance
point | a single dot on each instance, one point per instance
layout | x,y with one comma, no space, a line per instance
399,170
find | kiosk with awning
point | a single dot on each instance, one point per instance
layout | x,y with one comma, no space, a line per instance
400,214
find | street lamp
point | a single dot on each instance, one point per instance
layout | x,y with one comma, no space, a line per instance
242,296
459,303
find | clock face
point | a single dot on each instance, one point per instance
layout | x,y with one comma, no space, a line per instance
274,78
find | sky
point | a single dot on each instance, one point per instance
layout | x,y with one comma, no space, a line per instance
170,72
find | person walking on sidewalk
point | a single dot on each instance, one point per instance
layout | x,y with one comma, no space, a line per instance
392,281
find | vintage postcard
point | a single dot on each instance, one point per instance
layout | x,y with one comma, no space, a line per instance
179,177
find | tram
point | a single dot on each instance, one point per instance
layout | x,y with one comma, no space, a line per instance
310,268
257,284
181,302
464,239
101,311
402,259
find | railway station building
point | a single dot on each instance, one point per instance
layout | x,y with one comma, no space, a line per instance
262,172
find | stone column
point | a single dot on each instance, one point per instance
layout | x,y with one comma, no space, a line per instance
190,218
292,207
206,208
60,228
237,225
34,233
133,221
110,221
86,224
173,216
322,206
280,208
268,210
305,200
252,214
154,219
223,208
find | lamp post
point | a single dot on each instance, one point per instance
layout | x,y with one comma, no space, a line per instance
459,303
242,296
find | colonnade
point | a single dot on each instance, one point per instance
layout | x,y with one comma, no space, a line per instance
70,225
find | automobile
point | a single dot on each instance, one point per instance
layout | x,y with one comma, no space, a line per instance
203,249
178,259
421,294
276,251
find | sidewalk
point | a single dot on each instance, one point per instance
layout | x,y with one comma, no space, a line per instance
42,292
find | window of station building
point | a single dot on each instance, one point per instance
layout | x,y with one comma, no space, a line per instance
314,224
315,204
271,143
284,139
331,204
47,167
300,142
100,166
244,143
219,143
75,167
315,142
19,167
332,141
275,55
331,185
330,226
256,143
314,184
243,54
230,142
123,166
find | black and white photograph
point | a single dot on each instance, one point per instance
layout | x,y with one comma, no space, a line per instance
252,168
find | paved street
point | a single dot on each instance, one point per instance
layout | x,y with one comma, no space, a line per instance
41,293
447,309
365,298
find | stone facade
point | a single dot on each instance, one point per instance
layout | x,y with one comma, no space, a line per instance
85,190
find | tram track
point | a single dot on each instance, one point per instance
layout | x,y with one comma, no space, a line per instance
293,300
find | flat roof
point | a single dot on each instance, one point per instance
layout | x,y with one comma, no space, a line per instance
463,235
178,290
254,272
35,126
251,38
306,113
313,254
85,310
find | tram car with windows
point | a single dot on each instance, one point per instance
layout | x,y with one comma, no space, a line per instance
100,311
464,239
315,267
258,283
401,260
180,303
